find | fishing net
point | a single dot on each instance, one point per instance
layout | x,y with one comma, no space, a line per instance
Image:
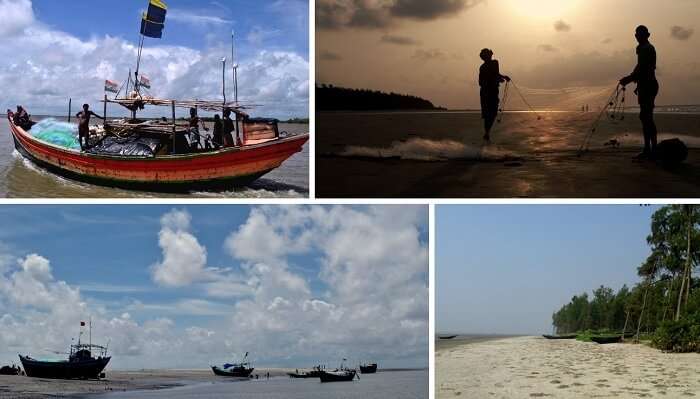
58,133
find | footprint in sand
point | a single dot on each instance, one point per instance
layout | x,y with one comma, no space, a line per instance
563,386
538,395
555,382
688,394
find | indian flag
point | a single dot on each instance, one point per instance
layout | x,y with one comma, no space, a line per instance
111,86
145,82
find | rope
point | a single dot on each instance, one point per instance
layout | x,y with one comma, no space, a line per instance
532,109
503,102
613,100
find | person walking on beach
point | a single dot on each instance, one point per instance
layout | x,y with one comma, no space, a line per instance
84,125
490,79
644,75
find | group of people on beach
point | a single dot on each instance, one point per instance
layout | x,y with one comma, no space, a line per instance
644,74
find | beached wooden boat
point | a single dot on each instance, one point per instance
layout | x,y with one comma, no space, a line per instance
447,336
339,375
563,336
226,167
606,339
80,364
368,368
235,370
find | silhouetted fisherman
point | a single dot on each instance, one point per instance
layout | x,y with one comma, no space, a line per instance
644,75
490,79
218,138
194,123
228,129
84,125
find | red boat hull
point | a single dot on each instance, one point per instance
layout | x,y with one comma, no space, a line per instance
218,169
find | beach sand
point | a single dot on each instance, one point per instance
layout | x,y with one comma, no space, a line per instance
534,367
441,155
22,387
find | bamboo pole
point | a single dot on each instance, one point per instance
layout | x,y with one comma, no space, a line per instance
174,129
70,101
104,123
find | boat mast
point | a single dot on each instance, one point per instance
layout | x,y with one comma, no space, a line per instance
91,316
235,70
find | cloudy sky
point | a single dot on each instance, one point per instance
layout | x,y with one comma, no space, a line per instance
193,286
560,52
505,269
53,50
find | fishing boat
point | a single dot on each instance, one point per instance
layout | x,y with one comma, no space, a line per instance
241,369
606,339
315,372
338,375
165,154
370,368
10,370
81,363
563,336
447,336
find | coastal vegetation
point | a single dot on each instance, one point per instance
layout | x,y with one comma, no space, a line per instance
332,98
664,306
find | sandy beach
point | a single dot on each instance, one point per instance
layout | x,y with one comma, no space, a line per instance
441,155
533,367
22,387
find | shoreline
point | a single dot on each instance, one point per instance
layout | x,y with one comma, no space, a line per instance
22,387
528,367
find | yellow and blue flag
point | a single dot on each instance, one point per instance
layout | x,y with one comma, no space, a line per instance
153,21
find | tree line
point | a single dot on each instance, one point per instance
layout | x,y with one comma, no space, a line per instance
665,305
332,98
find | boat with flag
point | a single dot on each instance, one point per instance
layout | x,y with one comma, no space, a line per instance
166,154
85,361
241,369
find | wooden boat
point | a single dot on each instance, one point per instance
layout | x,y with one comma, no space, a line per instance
10,370
606,339
80,364
563,336
368,368
241,369
219,169
447,336
313,373
339,375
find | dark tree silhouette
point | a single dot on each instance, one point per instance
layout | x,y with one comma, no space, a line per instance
331,98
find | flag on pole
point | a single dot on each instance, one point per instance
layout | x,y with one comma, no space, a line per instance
156,11
150,28
144,82
111,86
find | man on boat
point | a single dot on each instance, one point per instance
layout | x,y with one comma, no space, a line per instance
490,79
644,75
21,118
84,125
218,138
228,130
194,128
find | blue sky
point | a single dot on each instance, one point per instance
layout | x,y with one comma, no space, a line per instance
67,49
505,269
311,283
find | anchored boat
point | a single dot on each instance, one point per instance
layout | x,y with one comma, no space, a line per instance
241,369
340,374
81,363
368,368
563,336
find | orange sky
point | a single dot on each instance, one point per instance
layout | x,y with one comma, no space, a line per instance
430,48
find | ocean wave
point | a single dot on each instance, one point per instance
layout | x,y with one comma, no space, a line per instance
419,149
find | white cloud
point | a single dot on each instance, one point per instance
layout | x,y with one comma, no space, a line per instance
196,18
184,259
55,66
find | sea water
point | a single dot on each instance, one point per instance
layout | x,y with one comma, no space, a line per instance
411,384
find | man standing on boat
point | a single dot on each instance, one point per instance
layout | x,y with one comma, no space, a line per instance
644,75
84,125
194,128
228,130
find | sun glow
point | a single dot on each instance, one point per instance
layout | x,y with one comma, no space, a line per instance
543,8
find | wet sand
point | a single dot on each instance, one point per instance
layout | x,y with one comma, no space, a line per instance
533,367
22,387
441,155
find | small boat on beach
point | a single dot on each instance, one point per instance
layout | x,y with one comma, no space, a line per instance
241,369
563,336
10,370
606,339
81,363
338,375
314,373
370,368
446,336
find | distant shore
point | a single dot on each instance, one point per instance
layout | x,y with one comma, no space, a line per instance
534,367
